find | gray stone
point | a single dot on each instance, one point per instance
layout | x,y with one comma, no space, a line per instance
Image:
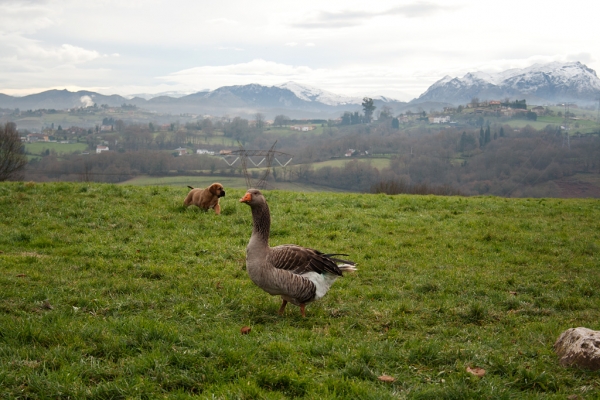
579,347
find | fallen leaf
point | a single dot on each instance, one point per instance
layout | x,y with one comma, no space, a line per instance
476,371
245,330
219,285
386,378
513,293
21,276
47,306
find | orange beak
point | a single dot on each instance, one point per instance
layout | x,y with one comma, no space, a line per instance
247,197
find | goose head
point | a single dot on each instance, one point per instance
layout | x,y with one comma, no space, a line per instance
253,197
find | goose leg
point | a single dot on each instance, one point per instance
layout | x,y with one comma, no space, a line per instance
282,308
302,310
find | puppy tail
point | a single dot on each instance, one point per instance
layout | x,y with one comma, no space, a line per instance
190,187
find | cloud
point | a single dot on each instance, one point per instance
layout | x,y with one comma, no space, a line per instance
25,17
418,9
350,18
229,48
222,21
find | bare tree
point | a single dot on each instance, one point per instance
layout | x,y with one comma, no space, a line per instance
12,156
259,121
207,127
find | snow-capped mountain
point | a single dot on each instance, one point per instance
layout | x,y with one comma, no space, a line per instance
292,99
541,83
311,93
148,96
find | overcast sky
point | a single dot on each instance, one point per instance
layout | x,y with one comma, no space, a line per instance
391,48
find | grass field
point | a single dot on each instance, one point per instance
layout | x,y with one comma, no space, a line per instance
117,292
59,148
228,182
374,162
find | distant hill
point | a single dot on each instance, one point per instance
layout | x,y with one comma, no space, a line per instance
539,84
291,99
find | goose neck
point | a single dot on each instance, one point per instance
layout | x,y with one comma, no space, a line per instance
261,222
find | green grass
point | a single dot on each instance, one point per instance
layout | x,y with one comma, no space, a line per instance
340,163
228,182
59,148
115,292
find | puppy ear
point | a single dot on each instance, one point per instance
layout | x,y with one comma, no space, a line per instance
213,189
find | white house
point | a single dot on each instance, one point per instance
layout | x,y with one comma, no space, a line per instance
302,128
100,149
204,151
441,120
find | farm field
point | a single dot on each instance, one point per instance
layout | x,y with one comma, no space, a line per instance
59,148
373,161
117,291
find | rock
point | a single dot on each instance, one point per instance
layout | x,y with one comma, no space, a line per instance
579,347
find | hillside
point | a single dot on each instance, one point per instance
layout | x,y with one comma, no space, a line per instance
118,292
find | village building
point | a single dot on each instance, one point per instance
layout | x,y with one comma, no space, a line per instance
204,151
182,151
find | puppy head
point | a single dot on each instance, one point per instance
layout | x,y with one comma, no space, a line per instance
217,190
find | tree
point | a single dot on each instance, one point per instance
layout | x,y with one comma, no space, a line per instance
386,113
368,108
347,118
207,127
281,120
119,125
481,137
12,156
259,121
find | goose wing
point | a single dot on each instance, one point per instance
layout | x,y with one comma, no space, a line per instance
300,260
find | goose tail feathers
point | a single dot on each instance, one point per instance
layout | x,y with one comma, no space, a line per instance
347,267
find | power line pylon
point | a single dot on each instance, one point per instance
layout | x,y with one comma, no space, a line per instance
267,155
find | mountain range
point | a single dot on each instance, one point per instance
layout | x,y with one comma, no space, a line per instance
538,84
291,99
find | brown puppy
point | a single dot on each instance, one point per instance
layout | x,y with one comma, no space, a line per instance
206,198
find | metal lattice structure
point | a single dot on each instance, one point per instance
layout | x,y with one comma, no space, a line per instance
265,156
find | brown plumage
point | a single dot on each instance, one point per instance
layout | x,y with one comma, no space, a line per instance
298,274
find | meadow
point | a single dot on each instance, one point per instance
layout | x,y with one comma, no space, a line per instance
183,181
40,148
118,292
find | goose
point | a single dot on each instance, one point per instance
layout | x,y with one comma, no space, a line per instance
298,274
